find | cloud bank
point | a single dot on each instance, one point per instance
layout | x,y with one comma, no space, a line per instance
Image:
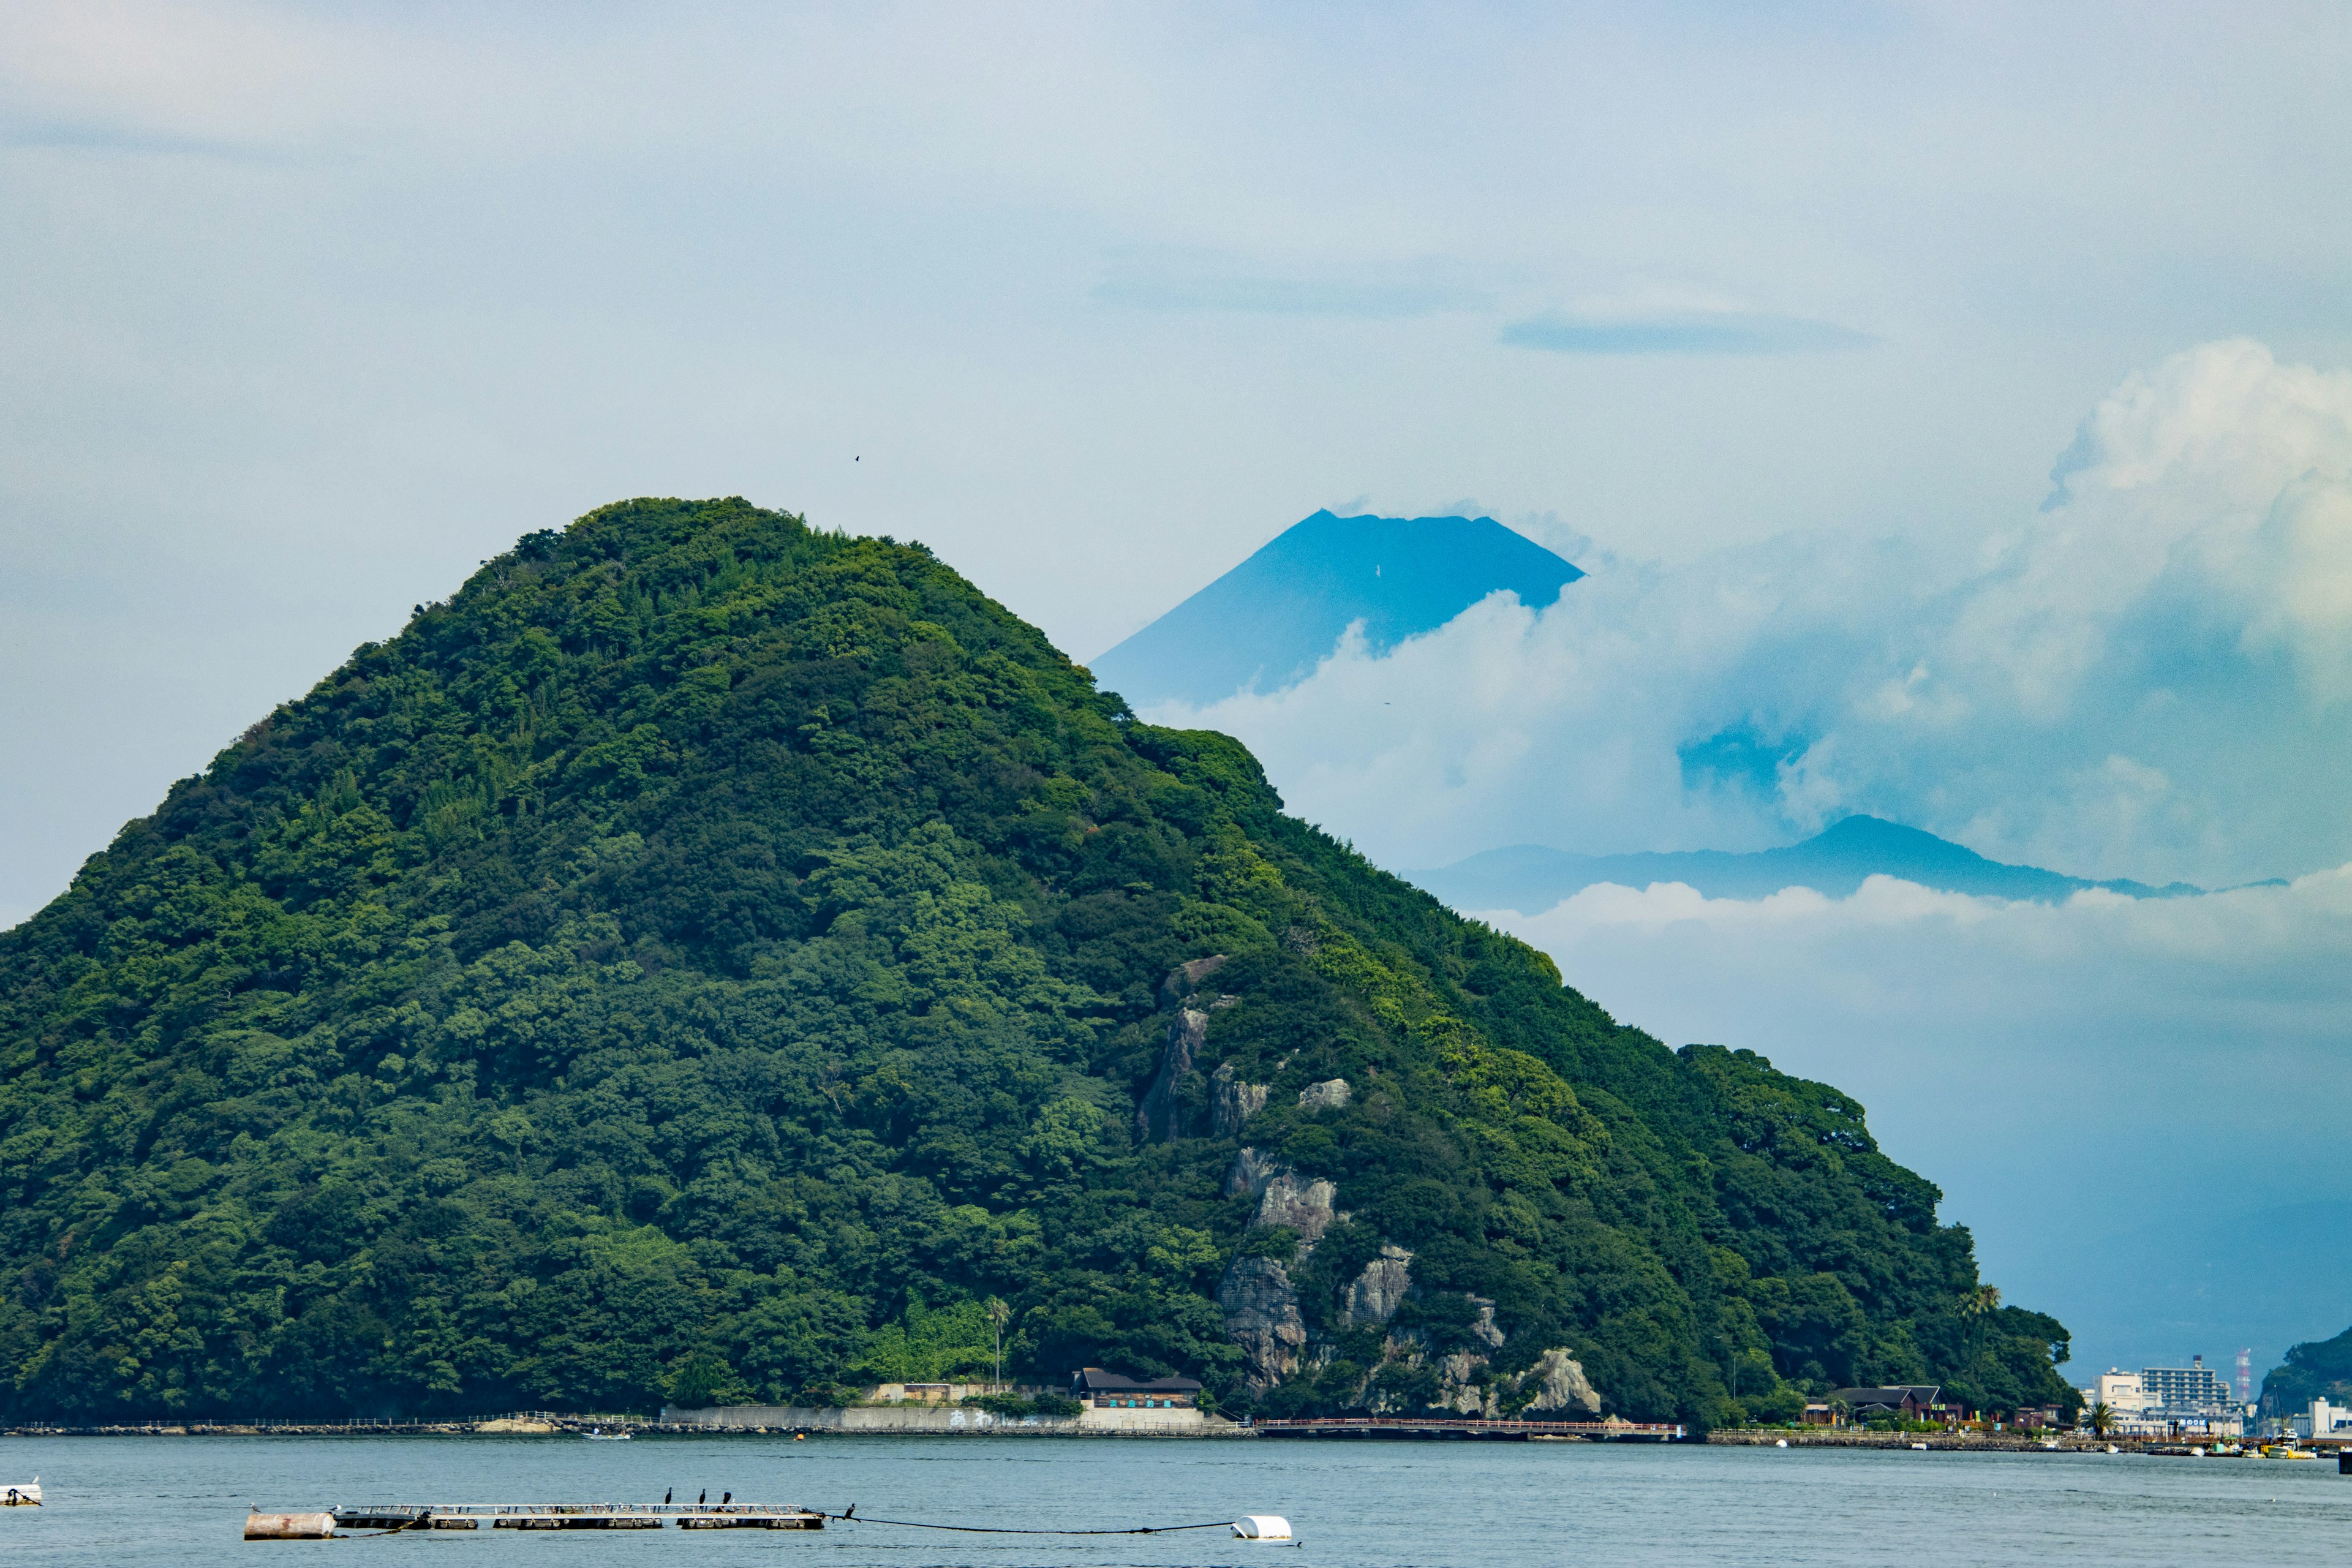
1673,321
2148,678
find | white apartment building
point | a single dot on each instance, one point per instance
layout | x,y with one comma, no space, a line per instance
2184,1390
2166,1400
2324,1420
2120,1392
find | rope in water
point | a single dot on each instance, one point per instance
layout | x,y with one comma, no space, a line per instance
851,1516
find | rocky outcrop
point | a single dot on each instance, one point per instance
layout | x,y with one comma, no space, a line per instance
1231,1102
1185,978
1303,1204
1562,1385
1161,1115
1484,1329
1458,1386
1251,1171
1261,1315
1330,1095
1374,1295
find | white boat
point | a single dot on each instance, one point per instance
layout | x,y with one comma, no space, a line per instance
598,1435
25,1496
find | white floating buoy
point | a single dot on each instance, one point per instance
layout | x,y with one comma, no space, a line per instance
1920,1446
1781,1443
1261,1526
259,1526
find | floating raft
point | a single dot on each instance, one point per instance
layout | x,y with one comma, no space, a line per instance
573,1516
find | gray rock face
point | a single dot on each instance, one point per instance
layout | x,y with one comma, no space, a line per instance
1262,1315
1160,1115
1330,1095
1457,1388
1305,1206
1231,1102
1484,1328
1251,1171
1374,1295
1562,1385
1185,978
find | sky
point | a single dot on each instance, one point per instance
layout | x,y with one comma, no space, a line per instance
1949,401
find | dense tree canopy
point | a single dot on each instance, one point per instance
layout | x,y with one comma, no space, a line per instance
2316,1369
710,958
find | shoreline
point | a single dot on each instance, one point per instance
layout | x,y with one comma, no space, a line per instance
1986,1443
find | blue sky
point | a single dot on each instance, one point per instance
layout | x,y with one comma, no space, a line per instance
1779,319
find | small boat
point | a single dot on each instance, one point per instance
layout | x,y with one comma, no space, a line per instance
25,1496
2113,1450
1920,1448
598,1435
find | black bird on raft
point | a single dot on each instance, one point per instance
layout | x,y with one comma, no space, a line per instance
726,1498
665,1497
703,1498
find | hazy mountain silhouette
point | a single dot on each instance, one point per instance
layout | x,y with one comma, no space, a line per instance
1530,878
1266,624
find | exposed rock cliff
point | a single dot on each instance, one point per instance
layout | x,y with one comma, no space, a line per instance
1331,1094
1374,1295
1561,1387
1303,1204
1160,1115
1251,1171
1262,1315
1185,978
1231,1102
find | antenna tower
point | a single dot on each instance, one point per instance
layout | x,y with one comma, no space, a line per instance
2245,1375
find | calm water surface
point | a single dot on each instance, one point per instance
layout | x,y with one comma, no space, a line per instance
183,1501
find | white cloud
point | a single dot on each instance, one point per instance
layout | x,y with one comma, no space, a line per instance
2146,679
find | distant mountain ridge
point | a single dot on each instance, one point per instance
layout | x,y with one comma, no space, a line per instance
1530,878
1269,621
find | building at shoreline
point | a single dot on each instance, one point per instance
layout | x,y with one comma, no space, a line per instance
2168,1400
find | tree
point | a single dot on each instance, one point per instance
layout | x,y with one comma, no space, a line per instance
1977,1309
999,1314
2102,1419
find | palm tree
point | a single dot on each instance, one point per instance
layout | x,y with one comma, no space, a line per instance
1977,1308
2102,1419
999,1314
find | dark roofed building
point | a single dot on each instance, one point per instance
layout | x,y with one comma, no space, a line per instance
1110,1390
1908,1402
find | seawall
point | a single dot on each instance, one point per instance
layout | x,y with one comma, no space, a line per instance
950,1420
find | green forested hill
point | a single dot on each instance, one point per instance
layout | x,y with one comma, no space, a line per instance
707,957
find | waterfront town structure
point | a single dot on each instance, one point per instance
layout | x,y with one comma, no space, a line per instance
1901,1402
2168,1400
2324,1420
1100,1390
2195,1387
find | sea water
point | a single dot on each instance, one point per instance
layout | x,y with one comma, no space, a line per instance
183,1501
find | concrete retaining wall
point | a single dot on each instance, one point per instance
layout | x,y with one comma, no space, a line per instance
947,1419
